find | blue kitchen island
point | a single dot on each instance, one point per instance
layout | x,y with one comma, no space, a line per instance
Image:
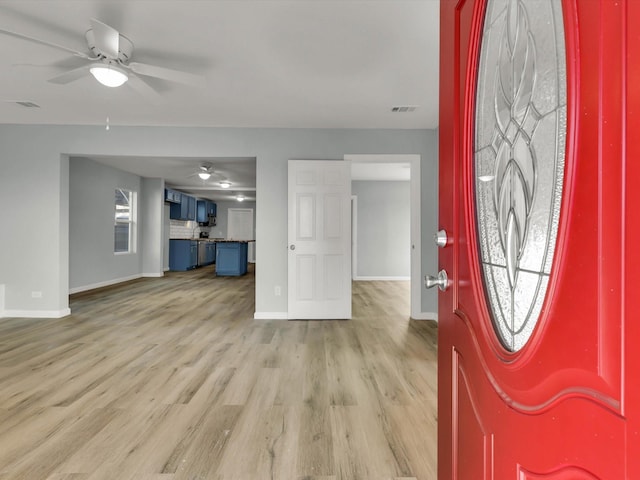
231,257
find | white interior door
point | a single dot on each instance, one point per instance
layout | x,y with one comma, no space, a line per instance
319,281
240,227
240,224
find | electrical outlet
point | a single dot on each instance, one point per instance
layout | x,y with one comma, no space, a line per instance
36,294
278,291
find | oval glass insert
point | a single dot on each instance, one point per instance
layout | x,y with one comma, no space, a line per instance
519,157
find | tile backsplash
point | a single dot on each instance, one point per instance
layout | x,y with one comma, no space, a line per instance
185,229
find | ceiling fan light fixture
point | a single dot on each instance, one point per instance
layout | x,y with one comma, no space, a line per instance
225,184
108,75
204,175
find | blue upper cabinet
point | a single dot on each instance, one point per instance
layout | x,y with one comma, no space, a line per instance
175,209
202,215
205,209
172,196
191,207
185,209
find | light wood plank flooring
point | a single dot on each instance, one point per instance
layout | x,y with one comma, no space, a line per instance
172,379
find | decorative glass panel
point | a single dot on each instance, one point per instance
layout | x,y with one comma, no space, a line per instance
519,158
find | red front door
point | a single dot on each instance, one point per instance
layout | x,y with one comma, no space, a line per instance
539,366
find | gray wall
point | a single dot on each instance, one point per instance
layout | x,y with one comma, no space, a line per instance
34,187
384,228
91,194
151,220
91,209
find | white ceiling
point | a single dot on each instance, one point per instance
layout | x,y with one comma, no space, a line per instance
266,63
181,173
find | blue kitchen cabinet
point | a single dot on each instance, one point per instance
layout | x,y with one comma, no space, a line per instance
201,211
184,207
175,208
185,210
205,210
211,253
172,196
183,255
231,258
191,207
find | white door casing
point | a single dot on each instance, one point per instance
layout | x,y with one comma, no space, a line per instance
354,236
319,239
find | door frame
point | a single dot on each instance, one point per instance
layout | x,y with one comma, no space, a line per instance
416,228
354,237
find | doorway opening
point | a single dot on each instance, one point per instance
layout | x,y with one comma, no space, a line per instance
413,162
92,262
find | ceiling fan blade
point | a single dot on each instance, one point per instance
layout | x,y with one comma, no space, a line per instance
144,89
106,38
70,76
43,42
166,74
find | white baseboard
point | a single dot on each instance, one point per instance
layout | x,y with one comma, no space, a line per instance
1,299
425,316
106,283
153,275
270,316
36,313
374,278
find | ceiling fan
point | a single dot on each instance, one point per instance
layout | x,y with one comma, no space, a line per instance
206,171
109,60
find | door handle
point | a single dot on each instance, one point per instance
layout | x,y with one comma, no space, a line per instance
292,247
440,238
441,281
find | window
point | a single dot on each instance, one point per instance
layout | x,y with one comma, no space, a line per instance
521,130
124,225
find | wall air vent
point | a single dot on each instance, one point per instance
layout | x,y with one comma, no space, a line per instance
28,104
404,108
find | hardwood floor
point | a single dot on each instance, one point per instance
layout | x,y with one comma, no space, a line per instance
172,379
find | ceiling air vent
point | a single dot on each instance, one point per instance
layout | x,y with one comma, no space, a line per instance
28,104
404,108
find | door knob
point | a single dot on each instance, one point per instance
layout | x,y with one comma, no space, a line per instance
440,238
292,247
441,281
